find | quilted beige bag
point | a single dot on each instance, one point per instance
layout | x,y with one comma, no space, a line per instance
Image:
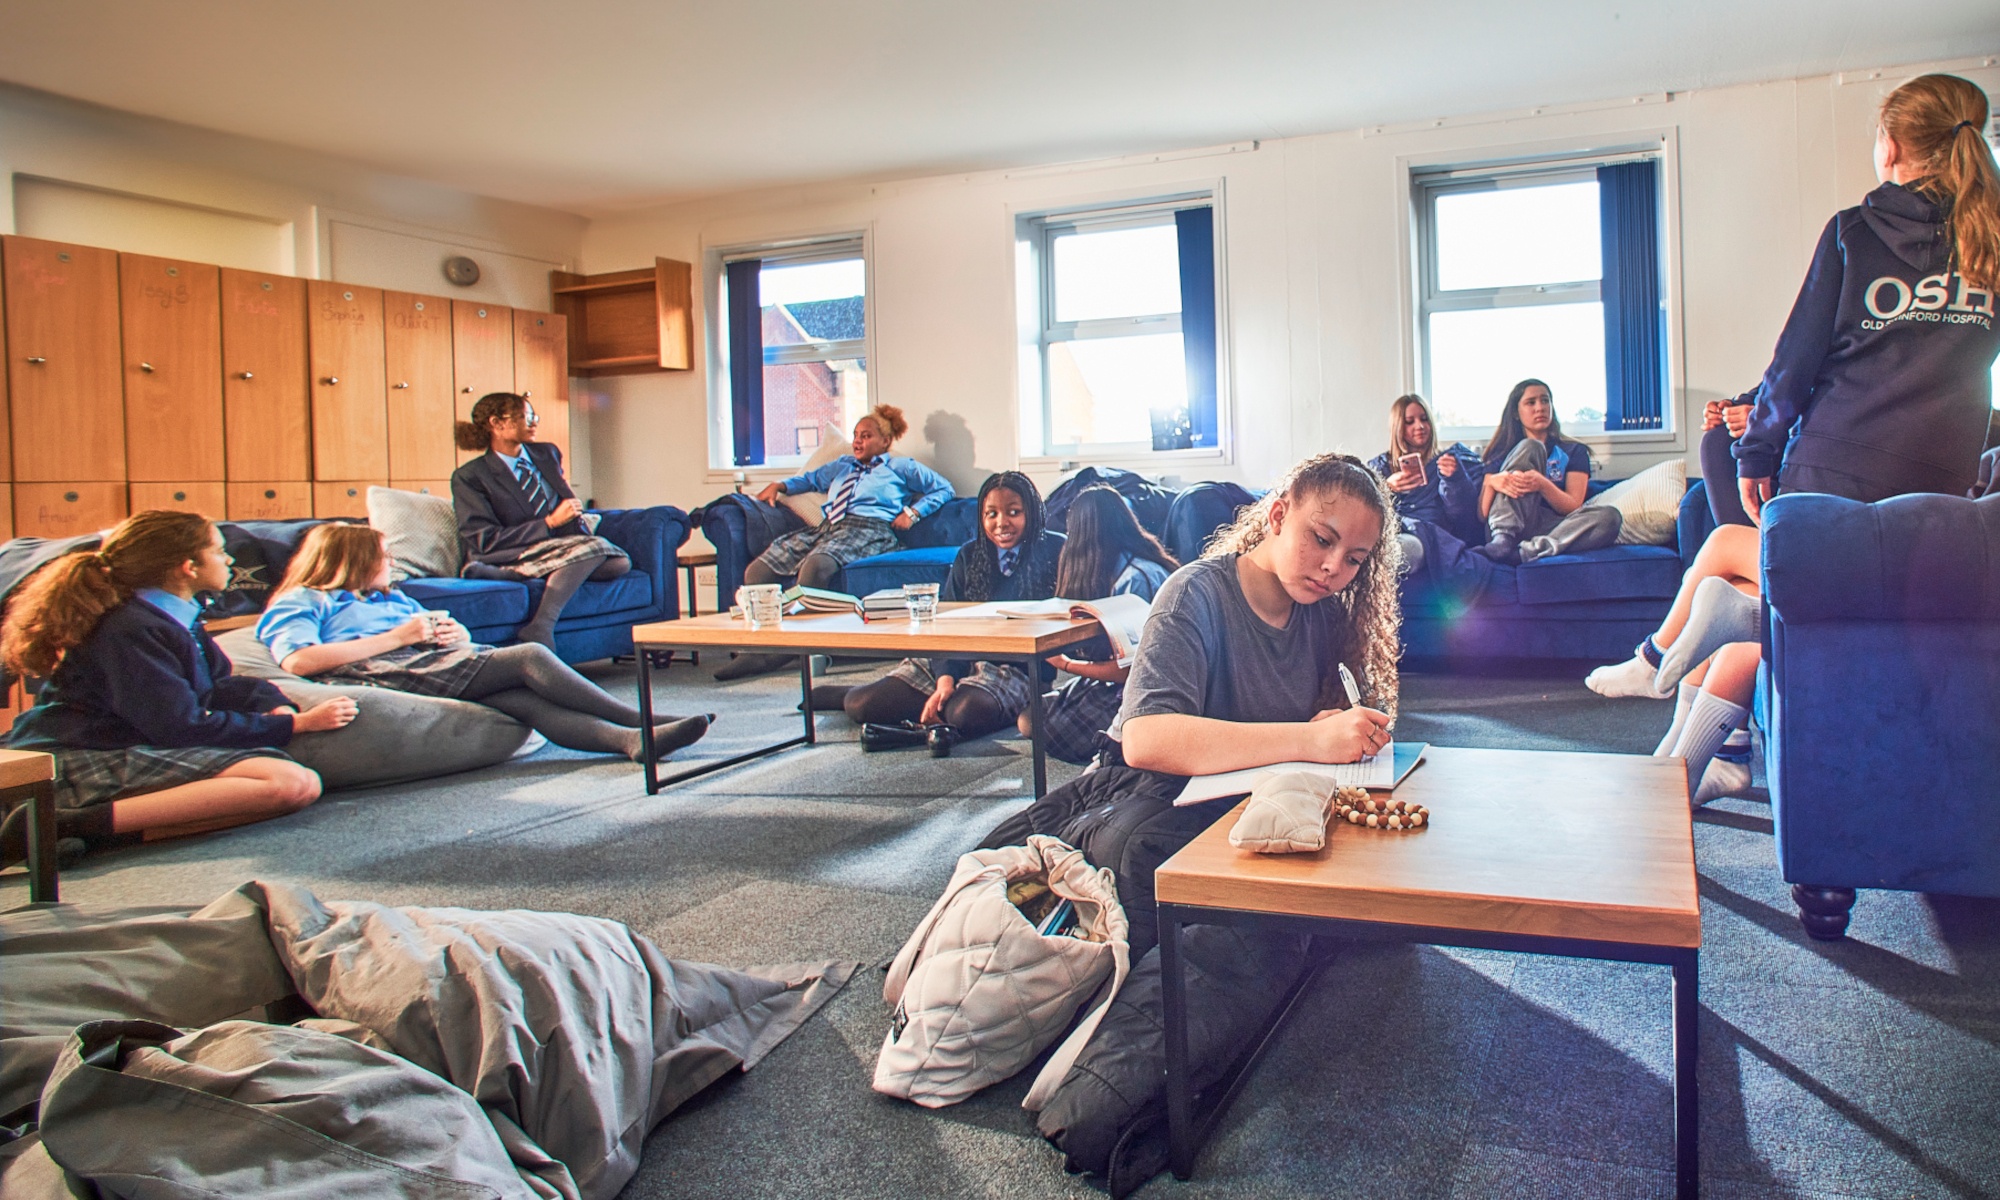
977,993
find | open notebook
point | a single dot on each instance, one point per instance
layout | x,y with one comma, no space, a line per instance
1381,771
1123,617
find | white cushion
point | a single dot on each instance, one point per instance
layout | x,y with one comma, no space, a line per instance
421,530
1649,501
833,442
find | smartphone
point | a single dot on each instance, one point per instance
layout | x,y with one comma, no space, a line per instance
1412,464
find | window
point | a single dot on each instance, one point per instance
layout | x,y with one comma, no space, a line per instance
795,340
1118,333
1550,272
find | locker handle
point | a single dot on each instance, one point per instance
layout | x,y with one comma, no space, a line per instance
401,386
526,395
467,391
244,375
146,367
39,361
331,380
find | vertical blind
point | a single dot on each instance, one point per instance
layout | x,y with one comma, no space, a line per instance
1634,323
746,360
1194,229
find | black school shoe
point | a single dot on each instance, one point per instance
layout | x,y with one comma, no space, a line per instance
1503,549
903,735
942,738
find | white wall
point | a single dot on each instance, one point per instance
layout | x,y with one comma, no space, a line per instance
1316,248
78,173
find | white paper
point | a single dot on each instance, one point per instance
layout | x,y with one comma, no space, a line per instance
992,608
1378,770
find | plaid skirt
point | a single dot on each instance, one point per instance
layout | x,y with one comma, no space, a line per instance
1006,683
425,670
1080,715
843,541
546,558
87,777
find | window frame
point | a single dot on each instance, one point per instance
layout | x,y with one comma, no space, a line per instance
794,251
1037,230
1538,162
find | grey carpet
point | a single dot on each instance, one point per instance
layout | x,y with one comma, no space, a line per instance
1865,1068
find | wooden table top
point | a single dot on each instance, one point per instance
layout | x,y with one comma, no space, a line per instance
968,636
18,768
695,557
1595,846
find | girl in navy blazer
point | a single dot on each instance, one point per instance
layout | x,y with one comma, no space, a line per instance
151,733
518,518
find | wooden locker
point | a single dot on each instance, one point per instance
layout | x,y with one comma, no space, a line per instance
344,497
6,506
441,488
6,433
350,407
206,498
60,510
541,355
417,348
266,401
170,321
482,354
272,500
62,361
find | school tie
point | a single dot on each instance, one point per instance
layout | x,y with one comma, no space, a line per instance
540,502
843,496
1008,558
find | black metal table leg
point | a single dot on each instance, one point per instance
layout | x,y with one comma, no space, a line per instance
806,697
1687,1099
1037,726
1181,1145
646,721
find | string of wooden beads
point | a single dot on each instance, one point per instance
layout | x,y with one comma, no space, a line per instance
1357,807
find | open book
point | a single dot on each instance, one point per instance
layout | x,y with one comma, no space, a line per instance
1382,771
1123,617
811,599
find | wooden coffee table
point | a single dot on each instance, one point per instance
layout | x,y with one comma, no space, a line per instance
1579,855
994,639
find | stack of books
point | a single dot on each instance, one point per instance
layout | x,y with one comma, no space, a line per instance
885,605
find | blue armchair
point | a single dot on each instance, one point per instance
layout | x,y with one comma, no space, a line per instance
740,529
1881,697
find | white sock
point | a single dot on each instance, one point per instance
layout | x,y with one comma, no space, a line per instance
1710,722
1719,616
1723,778
1633,677
1683,702
1738,744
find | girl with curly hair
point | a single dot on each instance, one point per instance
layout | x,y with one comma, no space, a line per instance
151,732
1013,558
1240,668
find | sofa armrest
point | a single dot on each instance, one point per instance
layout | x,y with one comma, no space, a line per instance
740,529
1694,522
653,537
1911,558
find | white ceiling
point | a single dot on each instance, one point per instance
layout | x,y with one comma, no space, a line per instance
597,105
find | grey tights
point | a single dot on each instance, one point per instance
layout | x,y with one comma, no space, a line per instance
530,684
815,570
562,585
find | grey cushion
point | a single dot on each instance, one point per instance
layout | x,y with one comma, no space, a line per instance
397,737
421,532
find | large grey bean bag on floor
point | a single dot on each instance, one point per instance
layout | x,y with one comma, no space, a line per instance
397,737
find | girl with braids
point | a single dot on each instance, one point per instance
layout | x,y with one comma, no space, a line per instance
1239,668
337,617
152,734
518,518
1106,552
1013,558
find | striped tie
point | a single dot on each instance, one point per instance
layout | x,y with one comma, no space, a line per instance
539,499
843,496
1008,558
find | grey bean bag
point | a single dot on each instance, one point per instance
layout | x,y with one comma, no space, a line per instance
397,737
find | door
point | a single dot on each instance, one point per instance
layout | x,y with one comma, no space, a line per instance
350,413
343,498
272,500
206,498
541,372
265,400
170,319
417,348
62,361
482,354
60,510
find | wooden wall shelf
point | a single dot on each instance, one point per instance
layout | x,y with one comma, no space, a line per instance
628,322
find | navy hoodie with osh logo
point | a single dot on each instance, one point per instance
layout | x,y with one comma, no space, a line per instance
1884,362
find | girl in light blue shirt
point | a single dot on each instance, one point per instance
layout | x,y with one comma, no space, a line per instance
337,617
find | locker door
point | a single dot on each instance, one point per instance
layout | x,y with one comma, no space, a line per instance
350,408
417,349
6,432
170,316
205,498
541,372
264,394
62,361
482,353
345,498
275,500
60,510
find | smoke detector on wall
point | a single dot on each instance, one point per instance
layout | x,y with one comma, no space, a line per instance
461,270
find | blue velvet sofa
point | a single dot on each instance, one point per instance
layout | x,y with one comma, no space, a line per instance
1880,698
596,624
1595,605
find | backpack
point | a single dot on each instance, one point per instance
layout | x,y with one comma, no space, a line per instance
977,993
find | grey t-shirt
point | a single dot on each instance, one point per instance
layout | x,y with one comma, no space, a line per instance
1206,653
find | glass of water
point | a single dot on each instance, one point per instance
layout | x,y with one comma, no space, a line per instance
762,604
922,601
